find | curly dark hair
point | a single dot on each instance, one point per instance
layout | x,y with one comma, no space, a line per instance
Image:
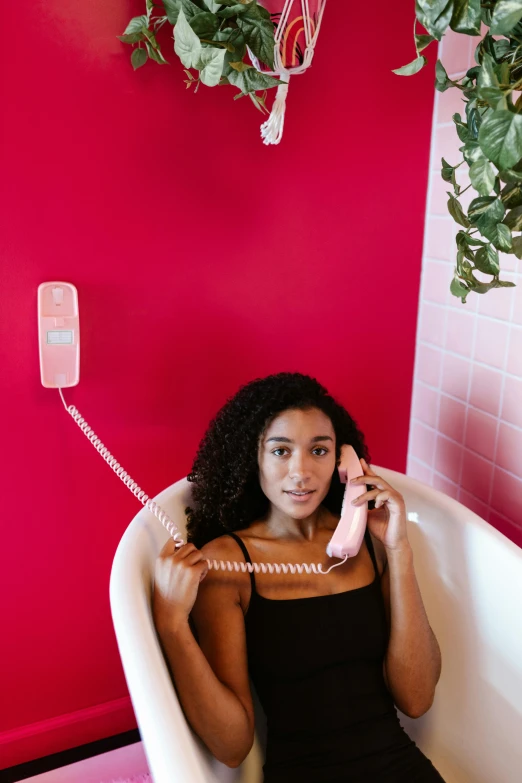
225,472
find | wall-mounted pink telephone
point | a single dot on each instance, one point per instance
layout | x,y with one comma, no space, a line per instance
59,340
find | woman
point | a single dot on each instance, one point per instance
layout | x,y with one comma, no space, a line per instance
330,656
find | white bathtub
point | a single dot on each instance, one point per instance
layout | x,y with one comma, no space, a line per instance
470,577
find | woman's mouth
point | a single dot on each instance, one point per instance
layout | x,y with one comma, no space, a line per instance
300,495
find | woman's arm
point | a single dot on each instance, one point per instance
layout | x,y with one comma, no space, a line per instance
211,677
412,664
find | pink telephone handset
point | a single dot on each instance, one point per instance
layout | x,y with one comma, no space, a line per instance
58,335
349,533
59,341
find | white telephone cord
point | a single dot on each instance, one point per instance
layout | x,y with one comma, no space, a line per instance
171,527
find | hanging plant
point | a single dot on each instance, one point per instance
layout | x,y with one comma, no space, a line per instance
210,38
213,37
490,130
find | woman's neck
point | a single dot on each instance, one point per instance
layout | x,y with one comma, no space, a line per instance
280,525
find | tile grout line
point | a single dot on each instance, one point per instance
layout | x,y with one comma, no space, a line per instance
465,358
471,451
472,407
446,478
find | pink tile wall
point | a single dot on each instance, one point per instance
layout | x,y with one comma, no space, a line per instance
466,422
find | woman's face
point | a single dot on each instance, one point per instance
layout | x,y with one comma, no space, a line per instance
297,460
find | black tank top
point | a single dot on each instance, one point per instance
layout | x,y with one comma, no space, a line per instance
316,664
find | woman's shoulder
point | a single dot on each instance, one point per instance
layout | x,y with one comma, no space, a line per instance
236,584
222,548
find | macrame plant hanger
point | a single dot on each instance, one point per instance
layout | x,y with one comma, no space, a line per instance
297,27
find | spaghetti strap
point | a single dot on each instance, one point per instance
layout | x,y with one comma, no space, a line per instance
247,559
369,544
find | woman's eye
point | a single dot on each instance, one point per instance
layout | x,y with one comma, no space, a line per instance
320,449
279,452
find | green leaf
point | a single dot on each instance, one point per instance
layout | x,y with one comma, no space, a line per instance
258,29
482,176
442,80
204,24
486,260
511,176
136,24
236,47
463,245
517,246
186,43
466,17
500,138
500,236
212,5
505,16
459,289
502,48
130,38
513,219
151,38
240,67
462,128
486,211
472,152
422,41
172,9
492,95
511,196
469,239
456,211
155,54
138,58
413,67
248,79
487,76
210,65
505,240
478,287
434,15
235,42
474,120
447,172
485,15
233,10
190,9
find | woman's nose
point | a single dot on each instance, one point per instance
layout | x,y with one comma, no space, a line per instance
299,469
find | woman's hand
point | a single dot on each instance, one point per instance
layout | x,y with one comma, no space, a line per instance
177,575
388,521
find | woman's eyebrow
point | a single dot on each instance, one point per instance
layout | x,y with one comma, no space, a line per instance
281,439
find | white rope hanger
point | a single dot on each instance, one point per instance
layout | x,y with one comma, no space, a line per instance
298,19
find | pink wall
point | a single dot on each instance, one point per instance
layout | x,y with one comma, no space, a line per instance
466,427
202,259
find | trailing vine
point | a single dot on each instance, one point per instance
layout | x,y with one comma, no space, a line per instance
490,131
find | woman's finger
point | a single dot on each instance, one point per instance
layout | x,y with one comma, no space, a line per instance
169,549
376,481
194,557
371,495
184,551
367,469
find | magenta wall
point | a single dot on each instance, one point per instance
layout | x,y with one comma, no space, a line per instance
202,260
